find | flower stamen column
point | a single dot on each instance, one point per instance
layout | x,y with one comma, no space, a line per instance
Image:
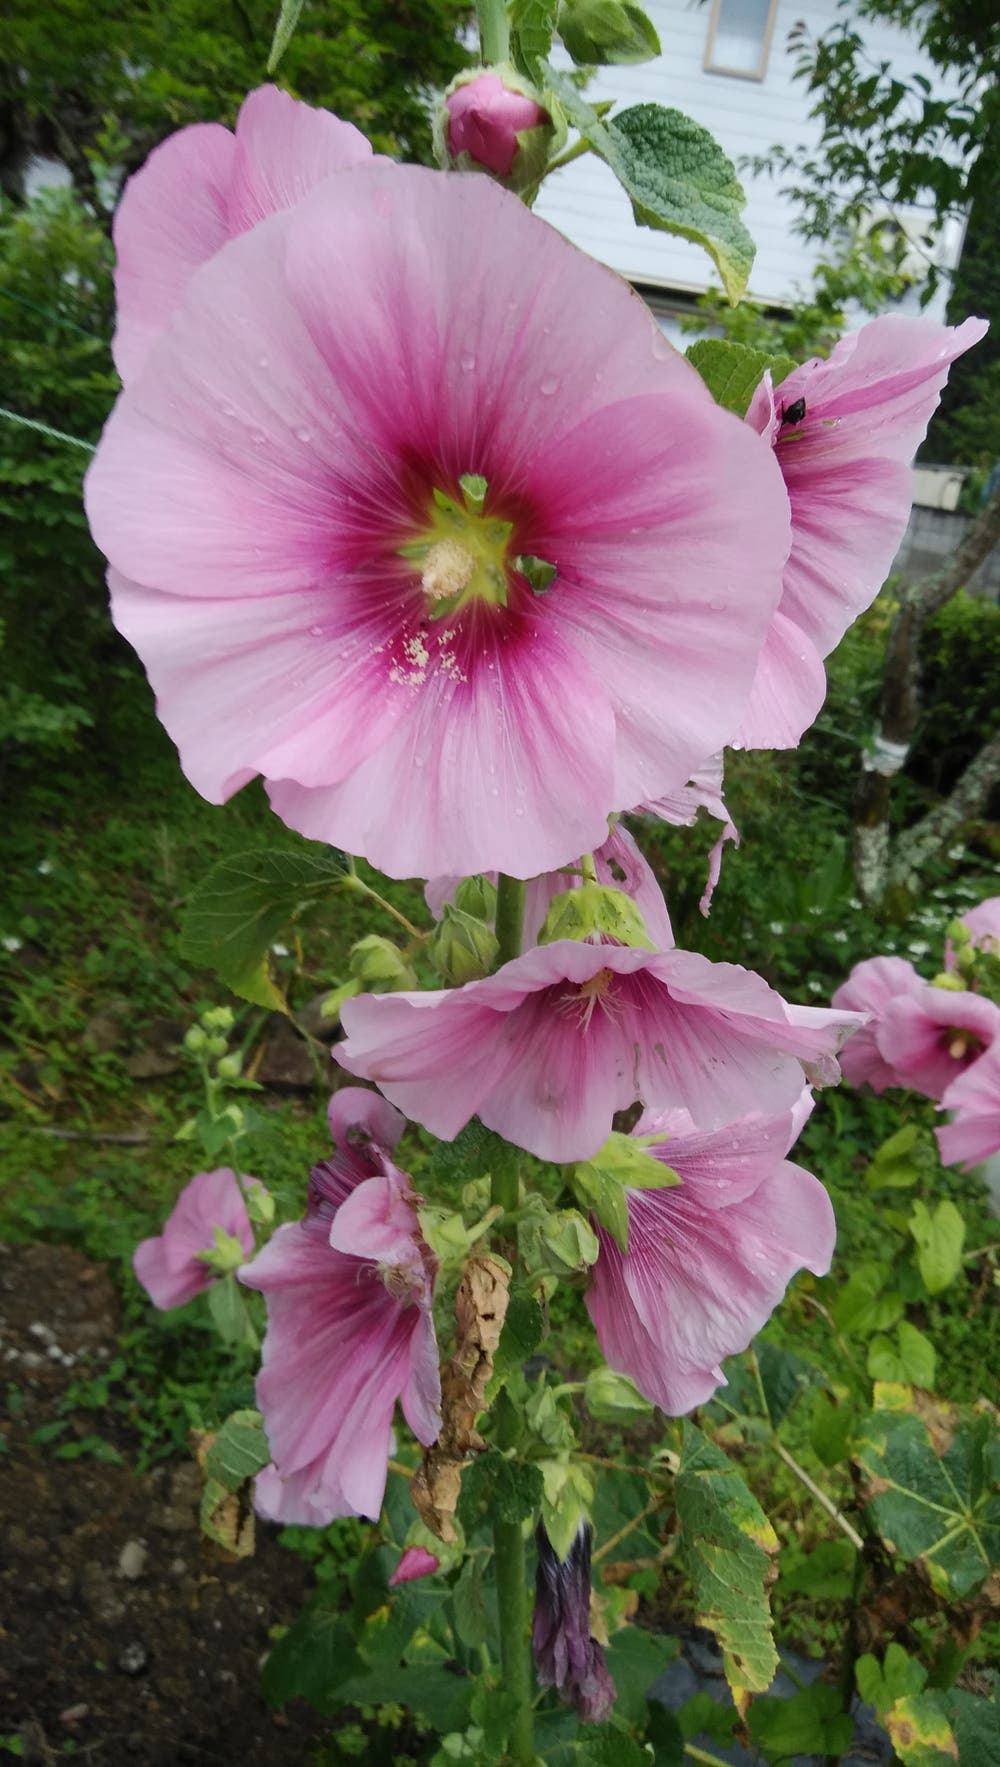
508,1542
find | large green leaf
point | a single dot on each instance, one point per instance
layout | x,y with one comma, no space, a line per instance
238,910
240,1449
811,1722
726,1545
676,176
732,372
940,1237
311,1660
940,1504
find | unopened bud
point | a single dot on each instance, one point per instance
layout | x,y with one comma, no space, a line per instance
380,966
477,896
230,1067
595,911
491,120
613,1397
463,948
260,1203
561,1244
959,934
954,984
218,1018
195,1040
216,1046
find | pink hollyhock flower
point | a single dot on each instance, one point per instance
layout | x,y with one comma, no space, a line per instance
349,1327
930,1037
844,432
170,1266
415,1562
974,1096
709,1259
868,989
983,925
619,863
549,1048
485,118
566,1656
203,186
269,495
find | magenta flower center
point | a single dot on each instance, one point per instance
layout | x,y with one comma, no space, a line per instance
461,554
580,1003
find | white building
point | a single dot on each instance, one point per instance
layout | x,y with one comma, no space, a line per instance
727,64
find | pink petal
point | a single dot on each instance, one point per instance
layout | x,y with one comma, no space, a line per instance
869,988
283,150
975,1099
172,217
415,1562
788,690
355,1110
916,1034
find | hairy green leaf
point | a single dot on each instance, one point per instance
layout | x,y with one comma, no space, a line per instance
726,1544
732,372
240,1449
812,1722
936,1500
284,30
237,912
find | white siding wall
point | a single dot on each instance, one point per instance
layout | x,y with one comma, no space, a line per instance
746,116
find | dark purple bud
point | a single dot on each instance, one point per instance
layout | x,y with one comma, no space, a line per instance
566,1656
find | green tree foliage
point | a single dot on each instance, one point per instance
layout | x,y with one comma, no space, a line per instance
886,139
78,77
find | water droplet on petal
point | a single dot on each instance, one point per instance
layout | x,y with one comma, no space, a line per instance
315,631
258,438
468,361
549,386
304,435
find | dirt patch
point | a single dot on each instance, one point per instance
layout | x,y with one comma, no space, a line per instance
121,1629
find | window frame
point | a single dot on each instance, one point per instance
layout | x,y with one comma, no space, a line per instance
735,73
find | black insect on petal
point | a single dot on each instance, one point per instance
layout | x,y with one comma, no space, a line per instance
794,414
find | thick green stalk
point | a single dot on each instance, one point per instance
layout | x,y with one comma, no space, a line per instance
494,31
508,1543
509,917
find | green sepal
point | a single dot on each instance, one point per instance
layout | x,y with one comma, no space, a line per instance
595,910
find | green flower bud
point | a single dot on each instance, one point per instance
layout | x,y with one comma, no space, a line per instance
612,1398
477,896
216,1046
195,1040
959,934
463,948
218,1018
593,910
230,1067
260,1205
380,966
954,984
494,120
561,1244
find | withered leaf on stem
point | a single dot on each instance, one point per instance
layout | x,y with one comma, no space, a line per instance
480,1310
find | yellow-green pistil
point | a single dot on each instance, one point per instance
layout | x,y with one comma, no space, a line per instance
462,554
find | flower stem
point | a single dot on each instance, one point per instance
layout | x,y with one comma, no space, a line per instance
509,917
508,1541
494,31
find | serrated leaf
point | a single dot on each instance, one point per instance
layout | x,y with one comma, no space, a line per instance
675,174
239,1451
522,1332
864,1304
900,1161
636,1658
726,1545
236,913
732,372
567,1498
897,1676
940,1237
284,30
937,1502
434,1692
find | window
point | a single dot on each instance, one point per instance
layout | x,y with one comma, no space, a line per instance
739,37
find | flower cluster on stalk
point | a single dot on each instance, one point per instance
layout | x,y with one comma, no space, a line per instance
465,570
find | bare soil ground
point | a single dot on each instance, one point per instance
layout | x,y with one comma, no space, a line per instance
124,1635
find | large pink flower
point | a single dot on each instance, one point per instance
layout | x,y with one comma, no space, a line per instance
708,1259
844,433
269,495
930,1037
547,1050
169,1266
349,1327
868,989
204,186
974,1097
